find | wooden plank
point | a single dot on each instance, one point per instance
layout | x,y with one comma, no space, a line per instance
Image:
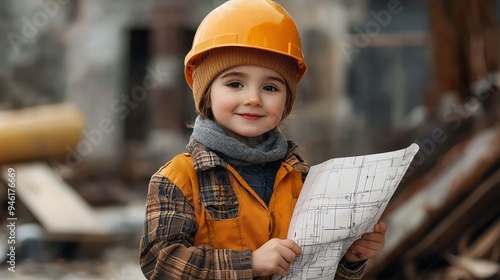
58,208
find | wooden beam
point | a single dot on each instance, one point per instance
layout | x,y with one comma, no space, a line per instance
483,200
413,220
485,242
58,208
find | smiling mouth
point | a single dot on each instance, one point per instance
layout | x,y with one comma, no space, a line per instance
250,116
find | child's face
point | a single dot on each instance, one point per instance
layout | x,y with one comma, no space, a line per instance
248,101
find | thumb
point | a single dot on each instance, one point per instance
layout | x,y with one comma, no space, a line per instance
380,227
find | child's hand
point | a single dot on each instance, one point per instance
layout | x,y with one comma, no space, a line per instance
274,257
368,246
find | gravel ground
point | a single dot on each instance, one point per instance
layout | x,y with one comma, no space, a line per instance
117,259
118,263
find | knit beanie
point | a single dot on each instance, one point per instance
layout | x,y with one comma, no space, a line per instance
218,60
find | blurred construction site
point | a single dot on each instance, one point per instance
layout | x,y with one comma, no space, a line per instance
93,101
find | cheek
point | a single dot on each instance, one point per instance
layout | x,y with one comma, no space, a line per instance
283,104
279,108
222,104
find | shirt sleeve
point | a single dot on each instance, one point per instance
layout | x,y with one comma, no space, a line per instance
166,248
347,271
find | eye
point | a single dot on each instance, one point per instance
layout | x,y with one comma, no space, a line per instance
270,88
234,84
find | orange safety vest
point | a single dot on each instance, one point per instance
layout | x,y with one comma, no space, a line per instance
255,222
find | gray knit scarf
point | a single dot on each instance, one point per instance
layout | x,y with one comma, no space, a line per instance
272,145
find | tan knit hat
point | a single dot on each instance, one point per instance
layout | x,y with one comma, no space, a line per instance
218,60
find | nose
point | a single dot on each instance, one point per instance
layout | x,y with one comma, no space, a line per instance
252,97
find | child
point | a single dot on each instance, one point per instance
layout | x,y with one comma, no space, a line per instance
221,210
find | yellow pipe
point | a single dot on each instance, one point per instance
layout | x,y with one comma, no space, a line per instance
39,132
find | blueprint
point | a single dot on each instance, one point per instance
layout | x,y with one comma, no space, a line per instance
342,199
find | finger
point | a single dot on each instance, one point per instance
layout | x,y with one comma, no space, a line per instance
380,228
369,252
284,266
359,255
290,244
364,243
375,237
353,256
281,272
288,255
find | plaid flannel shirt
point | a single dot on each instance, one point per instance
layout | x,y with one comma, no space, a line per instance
167,250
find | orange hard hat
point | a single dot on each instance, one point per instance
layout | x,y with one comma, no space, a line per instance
259,24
